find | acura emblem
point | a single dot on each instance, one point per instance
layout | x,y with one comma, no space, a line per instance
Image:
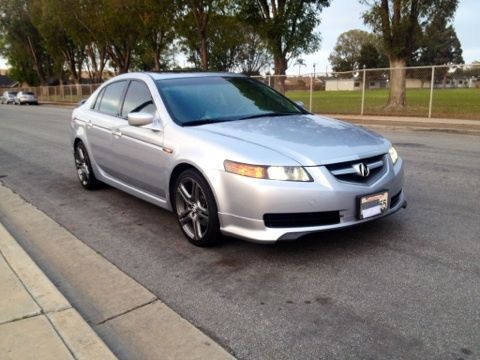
361,169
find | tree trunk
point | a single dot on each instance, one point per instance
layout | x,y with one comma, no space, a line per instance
203,50
280,67
398,73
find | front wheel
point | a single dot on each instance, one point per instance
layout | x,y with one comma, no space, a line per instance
196,210
84,168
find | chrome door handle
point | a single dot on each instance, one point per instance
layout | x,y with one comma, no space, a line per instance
116,133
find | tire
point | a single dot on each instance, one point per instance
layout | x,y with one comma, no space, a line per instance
196,210
83,165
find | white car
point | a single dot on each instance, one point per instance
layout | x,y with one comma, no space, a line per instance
8,97
26,97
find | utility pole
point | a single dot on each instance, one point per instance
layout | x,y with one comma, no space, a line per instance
314,65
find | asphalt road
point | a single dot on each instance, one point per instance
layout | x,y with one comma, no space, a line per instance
407,286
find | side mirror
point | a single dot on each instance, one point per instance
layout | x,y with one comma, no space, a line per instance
300,103
140,119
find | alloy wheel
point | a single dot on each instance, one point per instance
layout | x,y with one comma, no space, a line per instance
192,208
81,164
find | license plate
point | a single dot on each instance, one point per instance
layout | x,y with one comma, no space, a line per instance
373,205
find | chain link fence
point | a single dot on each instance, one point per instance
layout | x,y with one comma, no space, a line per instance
453,93
431,91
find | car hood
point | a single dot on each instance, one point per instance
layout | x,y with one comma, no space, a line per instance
308,139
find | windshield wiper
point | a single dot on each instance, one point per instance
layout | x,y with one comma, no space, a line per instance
202,122
269,114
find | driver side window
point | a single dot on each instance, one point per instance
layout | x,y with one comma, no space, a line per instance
138,99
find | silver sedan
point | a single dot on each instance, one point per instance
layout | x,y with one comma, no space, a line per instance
230,155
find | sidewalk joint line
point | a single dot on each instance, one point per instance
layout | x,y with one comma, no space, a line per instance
127,311
35,300
22,318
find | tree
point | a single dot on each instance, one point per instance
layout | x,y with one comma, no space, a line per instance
439,45
286,26
157,19
207,32
196,16
371,57
347,51
58,43
401,24
24,47
299,62
253,54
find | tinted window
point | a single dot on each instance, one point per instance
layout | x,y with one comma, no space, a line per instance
98,100
111,98
221,98
138,99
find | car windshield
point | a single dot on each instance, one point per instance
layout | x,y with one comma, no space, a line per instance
28,93
208,99
12,93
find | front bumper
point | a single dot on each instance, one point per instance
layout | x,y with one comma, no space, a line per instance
243,201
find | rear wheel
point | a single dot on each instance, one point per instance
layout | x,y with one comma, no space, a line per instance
84,168
196,210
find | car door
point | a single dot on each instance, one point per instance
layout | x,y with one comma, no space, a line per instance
140,156
104,119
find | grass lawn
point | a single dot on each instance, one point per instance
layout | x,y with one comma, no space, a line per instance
447,103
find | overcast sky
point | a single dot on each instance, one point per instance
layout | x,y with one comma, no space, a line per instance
345,15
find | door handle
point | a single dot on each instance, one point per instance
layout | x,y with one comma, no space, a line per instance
89,124
117,133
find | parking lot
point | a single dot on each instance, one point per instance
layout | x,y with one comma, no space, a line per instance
407,286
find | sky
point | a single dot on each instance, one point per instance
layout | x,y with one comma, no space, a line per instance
344,15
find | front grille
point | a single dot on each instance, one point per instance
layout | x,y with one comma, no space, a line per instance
395,199
301,219
345,171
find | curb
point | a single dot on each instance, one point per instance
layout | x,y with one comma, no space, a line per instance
132,321
79,338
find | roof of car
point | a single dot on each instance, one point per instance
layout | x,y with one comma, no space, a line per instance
178,75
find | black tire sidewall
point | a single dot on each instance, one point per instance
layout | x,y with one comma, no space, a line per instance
92,182
212,235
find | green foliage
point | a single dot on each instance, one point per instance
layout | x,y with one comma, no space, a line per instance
439,44
402,23
286,26
356,48
24,47
48,41
372,57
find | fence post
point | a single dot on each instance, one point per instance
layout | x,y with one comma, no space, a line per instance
363,89
311,92
270,80
432,82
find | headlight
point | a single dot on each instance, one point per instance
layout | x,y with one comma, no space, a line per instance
393,154
284,173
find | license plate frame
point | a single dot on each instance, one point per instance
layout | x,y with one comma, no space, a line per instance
372,205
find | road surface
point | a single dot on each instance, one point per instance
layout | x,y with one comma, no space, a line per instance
407,286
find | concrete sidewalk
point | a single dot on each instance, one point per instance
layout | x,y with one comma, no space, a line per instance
36,321
433,124
133,322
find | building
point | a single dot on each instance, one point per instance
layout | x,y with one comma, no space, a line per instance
6,82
